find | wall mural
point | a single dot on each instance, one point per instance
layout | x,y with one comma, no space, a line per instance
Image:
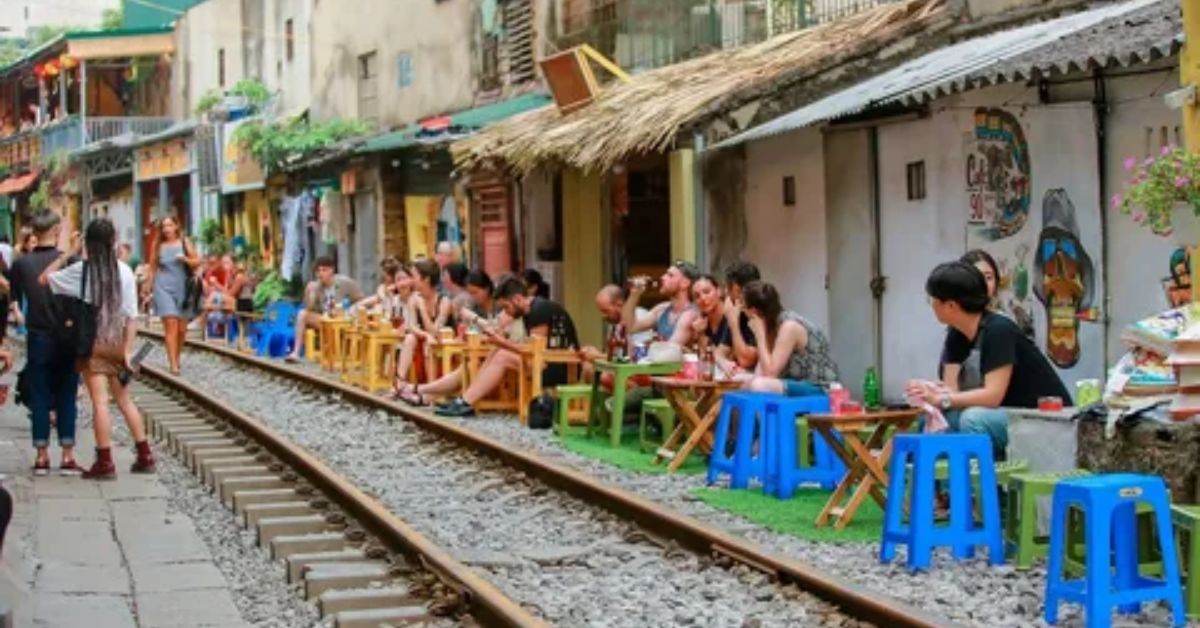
998,175
1065,277
1177,286
1047,252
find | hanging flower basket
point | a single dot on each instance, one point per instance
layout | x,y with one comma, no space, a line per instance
1159,187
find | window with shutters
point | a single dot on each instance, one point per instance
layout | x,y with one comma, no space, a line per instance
290,39
518,42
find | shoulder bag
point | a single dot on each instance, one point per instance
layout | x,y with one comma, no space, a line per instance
75,325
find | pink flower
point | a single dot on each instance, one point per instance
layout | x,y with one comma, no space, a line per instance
1148,161
1182,182
1166,150
1139,217
1130,164
1116,201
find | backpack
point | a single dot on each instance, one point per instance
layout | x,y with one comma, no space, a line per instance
541,412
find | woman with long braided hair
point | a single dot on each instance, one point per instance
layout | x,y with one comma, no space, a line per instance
112,290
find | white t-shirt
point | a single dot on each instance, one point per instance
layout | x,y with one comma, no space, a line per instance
6,252
68,280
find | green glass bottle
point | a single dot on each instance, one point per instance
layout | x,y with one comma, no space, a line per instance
871,393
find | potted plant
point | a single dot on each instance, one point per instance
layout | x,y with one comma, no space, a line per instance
1163,193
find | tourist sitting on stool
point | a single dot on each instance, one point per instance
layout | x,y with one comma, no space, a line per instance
1013,372
738,275
672,319
793,354
430,311
321,295
543,318
714,324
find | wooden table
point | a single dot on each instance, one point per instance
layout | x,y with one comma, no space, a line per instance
331,340
696,404
866,470
621,372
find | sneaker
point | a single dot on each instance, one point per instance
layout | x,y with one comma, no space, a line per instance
456,408
143,464
41,468
69,467
101,470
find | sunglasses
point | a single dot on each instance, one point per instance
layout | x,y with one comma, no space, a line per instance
1067,247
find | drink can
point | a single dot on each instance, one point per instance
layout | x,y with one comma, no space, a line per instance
640,350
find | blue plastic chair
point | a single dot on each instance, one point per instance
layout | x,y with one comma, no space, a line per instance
963,533
274,335
1109,505
744,463
784,471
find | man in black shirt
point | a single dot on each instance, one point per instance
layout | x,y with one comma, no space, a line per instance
49,367
543,318
1012,371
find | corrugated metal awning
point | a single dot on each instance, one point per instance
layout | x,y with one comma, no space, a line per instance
1008,55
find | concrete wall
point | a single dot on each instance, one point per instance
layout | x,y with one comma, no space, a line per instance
438,35
292,79
206,29
830,232
788,243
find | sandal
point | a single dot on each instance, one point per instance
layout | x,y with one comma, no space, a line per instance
398,390
414,399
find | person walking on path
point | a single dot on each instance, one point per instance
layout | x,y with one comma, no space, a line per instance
49,366
112,290
173,259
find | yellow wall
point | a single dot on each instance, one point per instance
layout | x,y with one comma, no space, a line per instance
583,252
683,205
421,224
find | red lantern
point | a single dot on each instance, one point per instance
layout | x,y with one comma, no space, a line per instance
51,68
39,71
67,61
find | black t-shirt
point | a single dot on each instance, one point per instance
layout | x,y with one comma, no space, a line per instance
560,334
1001,344
39,313
723,335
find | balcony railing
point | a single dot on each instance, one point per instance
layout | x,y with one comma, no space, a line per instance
644,34
35,146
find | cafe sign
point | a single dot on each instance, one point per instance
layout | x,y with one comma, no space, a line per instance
163,159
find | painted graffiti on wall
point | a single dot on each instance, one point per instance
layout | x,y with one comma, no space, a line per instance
1048,252
998,175
1177,286
1065,278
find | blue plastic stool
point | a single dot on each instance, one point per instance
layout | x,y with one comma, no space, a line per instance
744,463
962,534
1109,505
784,471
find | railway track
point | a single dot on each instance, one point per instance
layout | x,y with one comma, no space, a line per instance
510,516
362,565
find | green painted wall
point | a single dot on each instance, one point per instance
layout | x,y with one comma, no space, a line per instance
157,13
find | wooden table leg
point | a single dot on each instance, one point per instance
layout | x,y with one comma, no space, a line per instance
853,470
683,414
868,470
699,431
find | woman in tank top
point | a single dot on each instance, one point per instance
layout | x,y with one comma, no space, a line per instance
793,354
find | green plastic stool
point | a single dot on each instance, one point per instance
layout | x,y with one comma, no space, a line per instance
566,394
660,409
1004,470
1149,552
1020,521
1186,519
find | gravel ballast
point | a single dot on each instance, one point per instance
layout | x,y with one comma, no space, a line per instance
569,562
970,593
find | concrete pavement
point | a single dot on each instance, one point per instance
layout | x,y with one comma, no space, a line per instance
101,555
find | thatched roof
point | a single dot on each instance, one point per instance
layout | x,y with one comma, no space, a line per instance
646,114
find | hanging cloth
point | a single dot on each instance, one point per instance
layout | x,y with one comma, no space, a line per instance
293,253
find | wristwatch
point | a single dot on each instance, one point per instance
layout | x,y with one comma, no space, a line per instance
945,401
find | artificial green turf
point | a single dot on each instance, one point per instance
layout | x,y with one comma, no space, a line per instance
795,516
628,456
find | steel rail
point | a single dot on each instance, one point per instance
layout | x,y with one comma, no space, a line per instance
687,531
485,602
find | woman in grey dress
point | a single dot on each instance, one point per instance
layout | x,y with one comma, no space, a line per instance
172,260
